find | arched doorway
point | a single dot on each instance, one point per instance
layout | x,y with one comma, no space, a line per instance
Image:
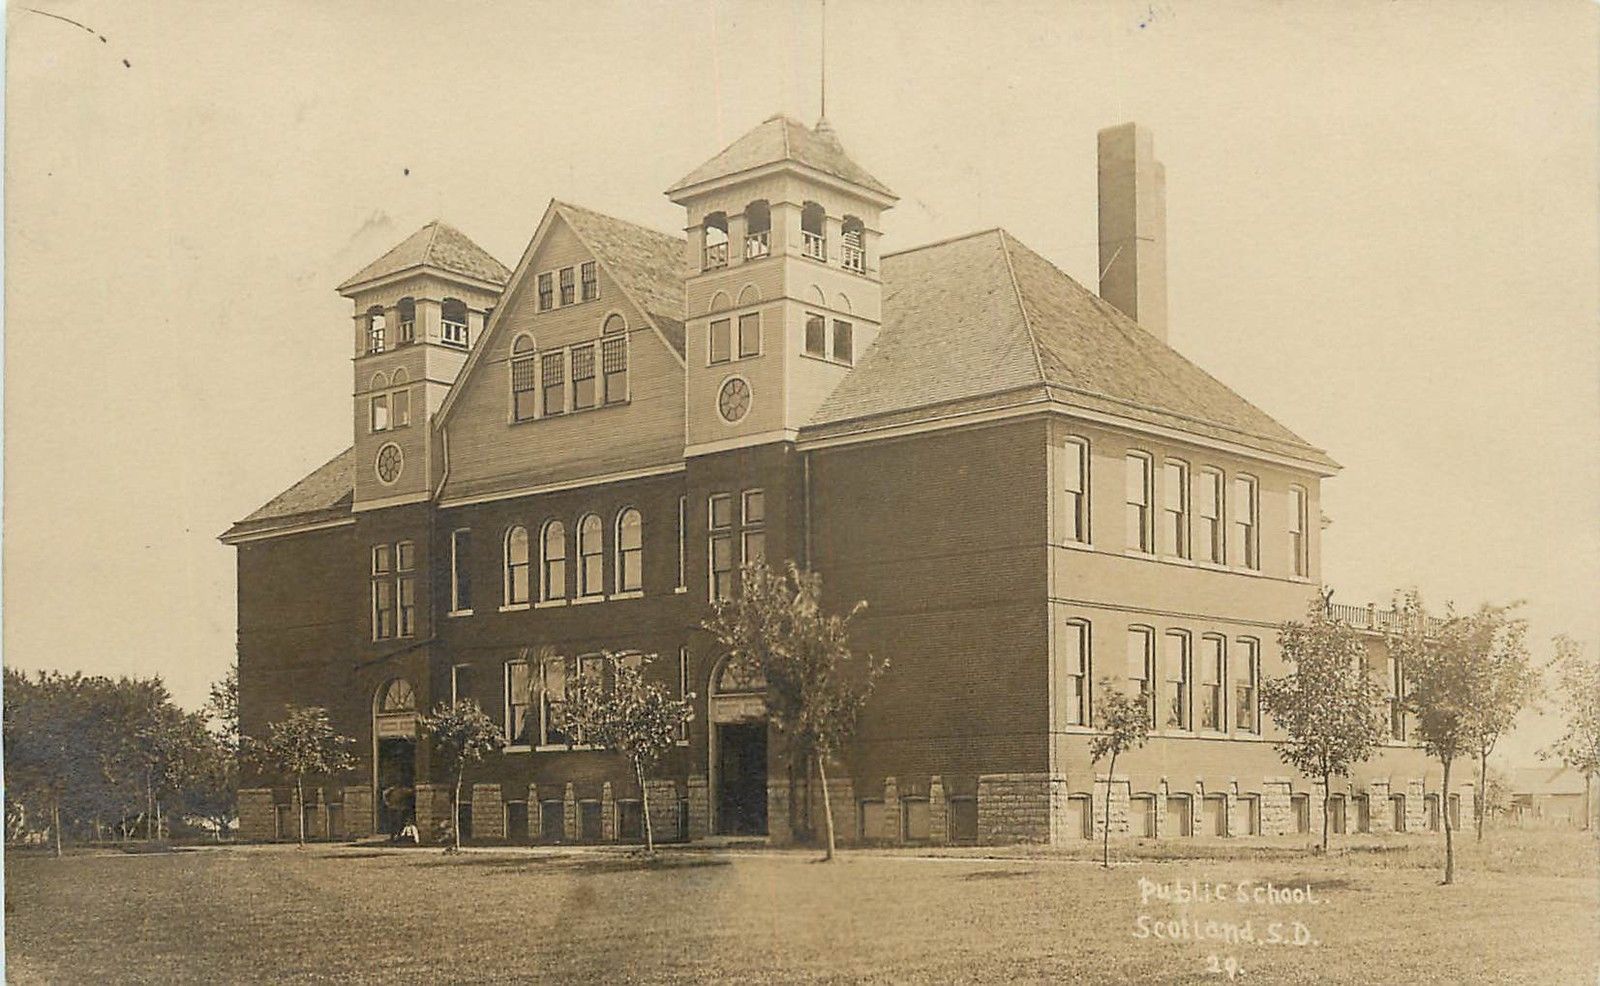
738,748
394,760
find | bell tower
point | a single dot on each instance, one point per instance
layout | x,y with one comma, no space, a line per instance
784,294
419,310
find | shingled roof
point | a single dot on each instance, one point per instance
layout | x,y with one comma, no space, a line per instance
437,245
981,321
780,138
646,262
324,494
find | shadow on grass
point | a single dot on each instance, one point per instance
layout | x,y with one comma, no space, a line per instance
578,864
1000,874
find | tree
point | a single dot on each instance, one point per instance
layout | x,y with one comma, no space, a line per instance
1445,670
629,715
223,708
1578,695
816,687
1124,723
462,734
302,744
1506,682
1328,706
39,742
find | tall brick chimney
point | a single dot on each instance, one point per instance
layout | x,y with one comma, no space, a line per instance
1133,227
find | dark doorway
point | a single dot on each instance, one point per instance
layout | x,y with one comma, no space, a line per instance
552,821
397,772
516,821
742,779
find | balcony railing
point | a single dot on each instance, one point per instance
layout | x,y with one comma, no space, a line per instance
853,258
455,334
1370,617
758,245
716,256
408,332
814,246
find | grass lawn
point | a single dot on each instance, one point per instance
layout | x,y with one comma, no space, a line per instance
1526,909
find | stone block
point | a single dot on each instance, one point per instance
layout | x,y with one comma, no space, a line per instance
488,813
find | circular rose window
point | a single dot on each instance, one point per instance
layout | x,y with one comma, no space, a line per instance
733,402
390,461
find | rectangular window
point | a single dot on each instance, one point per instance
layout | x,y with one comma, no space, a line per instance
753,538
405,590
583,387
1075,466
591,281
404,557
1213,660
1142,667
1396,698
721,340
683,541
1244,522
721,545
816,335
547,292
749,334
1137,479
461,571
1208,508
400,407
1246,686
553,368
382,559
568,289
524,388
380,413
382,609
1175,508
683,690
1177,657
552,695
1075,650
460,682
843,342
614,357
1298,554
519,693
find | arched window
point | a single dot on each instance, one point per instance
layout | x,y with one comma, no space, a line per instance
630,551
591,556
400,376
614,359
396,695
812,242
524,379
377,329
553,562
757,230
453,323
853,249
715,228
516,590
740,676
406,315
379,382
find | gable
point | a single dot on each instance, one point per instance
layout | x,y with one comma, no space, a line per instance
490,452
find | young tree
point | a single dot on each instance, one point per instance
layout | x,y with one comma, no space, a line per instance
1578,693
1506,684
816,688
1328,706
636,718
461,734
302,744
1445,671
1124,723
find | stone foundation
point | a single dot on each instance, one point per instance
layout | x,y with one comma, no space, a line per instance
1016,807
1380,813
1120,807
434,823
663,809
890,830
938,812
779,830
1277,806
699,807
569,814
358,812
488,813
258,815
535,814
1416,806
608,814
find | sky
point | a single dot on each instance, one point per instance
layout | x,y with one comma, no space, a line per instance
1381,229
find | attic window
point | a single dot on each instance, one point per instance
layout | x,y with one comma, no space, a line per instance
591,281
547,291
568,289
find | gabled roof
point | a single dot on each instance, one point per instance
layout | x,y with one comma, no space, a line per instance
647,263
324,494
780,138
439,246
969,319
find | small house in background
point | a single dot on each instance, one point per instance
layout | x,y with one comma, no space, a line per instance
1552,794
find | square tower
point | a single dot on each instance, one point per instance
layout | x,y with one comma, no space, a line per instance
784,294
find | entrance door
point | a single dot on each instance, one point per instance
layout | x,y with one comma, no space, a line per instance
397,771
742,778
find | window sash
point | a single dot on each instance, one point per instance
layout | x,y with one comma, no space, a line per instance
1076,644
461,571
553,562
546,292
1178,655
683,541
721,556
405,591
1175,509
583,382
591,281
382,609
591,558
1244,521
843,341
567,288
614,364
816,341
1137,497
749,334
380,413
553,374
721,341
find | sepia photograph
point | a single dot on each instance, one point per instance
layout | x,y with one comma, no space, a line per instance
801,491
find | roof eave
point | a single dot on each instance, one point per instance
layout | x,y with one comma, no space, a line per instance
353,287
683,191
